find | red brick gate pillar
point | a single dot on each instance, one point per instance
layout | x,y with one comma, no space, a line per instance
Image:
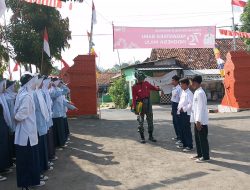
237,82
81,78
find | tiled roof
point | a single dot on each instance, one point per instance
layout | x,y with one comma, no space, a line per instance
105,78
197,58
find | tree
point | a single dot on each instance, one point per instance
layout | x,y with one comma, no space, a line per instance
117,67
245,19
25,33
119,93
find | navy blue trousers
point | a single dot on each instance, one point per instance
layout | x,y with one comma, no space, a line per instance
176,120
185,124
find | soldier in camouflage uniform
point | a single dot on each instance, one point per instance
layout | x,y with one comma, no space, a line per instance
142,105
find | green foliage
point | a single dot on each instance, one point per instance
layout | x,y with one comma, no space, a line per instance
3,68
119,93
245,19
55,71
25,33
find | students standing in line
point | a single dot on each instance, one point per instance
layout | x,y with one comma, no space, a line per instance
58,111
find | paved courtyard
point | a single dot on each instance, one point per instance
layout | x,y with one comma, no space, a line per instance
105,154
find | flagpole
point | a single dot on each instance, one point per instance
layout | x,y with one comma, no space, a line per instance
42,61
233,29
91,31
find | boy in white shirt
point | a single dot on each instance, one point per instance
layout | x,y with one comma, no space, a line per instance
199,117
184,110
176,94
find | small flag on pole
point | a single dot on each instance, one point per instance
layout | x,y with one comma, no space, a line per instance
2,7
239,3
93,13
16,67
64,63
46,42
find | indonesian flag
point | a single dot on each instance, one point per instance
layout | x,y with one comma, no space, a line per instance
16,67
64,63
50,3
46,43
93,13
239,3
2,7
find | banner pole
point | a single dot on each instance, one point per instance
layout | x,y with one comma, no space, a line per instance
91,31
233,29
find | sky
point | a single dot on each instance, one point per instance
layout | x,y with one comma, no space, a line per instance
137,13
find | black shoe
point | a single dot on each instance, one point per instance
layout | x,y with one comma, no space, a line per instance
142,138
152,139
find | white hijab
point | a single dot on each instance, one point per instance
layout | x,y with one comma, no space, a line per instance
45,89
30,86
10,93
41,100
6,111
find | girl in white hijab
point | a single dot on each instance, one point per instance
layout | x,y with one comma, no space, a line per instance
4,132
50,136
10,96
26,138
42,117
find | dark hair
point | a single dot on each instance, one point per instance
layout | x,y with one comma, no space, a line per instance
185,81
25,78
9,83
197,79
176,78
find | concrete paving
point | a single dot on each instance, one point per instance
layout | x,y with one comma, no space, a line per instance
105,154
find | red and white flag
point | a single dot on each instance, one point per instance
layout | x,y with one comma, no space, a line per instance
46,42
50,3
93,13
16,67
239,3
64,63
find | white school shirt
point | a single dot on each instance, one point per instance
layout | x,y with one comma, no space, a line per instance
186,101
199,108
25,116
176,94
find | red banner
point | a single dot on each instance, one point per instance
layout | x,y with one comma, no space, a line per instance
50,3
187,37
234,33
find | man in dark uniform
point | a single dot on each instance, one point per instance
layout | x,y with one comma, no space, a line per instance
142,105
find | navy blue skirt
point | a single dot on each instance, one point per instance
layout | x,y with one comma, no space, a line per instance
43,153
5,159
27,165
51,145
59,132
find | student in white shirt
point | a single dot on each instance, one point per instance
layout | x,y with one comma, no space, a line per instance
199,117
26,139
176,94
184,110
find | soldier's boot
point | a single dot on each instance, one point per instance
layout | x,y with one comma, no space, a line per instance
151,138
143,141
